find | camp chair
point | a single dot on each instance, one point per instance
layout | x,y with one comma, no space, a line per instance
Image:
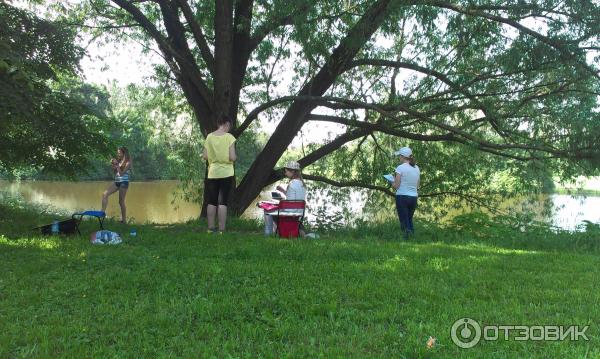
64,227
100,215
288,222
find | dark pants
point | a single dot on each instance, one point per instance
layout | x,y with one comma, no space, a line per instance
406,205
218,189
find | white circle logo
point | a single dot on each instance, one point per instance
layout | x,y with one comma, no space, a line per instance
466,333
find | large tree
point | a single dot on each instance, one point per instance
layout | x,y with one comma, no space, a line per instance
49,119
517,80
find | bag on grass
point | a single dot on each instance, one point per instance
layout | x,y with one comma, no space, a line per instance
105,237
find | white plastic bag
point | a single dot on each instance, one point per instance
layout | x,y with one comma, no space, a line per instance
105,237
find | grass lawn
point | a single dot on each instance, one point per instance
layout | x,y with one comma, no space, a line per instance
174,292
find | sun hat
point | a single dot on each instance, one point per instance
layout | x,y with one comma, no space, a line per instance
404,152
292,165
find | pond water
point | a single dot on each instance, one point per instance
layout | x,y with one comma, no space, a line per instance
157,202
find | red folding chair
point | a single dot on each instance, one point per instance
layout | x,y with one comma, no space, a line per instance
288,221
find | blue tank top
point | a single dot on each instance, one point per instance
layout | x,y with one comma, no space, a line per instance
124,177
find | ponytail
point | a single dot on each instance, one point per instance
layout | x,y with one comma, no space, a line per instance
411,160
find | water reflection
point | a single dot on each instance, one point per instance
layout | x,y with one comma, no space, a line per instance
571,211
158,202
154,202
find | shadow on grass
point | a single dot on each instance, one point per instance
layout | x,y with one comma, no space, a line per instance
534,238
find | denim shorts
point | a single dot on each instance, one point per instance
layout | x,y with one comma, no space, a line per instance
122,184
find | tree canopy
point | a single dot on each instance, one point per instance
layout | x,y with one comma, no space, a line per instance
49,119
505,83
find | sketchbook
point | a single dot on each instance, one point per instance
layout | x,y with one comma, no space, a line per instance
390,178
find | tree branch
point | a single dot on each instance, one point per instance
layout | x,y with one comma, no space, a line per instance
489,113
379,127
458,135
205,51
192,79
558,45
331,146
271,25
340,184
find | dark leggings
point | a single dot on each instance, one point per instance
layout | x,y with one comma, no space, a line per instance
406,205
217,190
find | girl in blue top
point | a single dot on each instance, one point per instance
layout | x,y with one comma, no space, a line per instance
121,166
406,184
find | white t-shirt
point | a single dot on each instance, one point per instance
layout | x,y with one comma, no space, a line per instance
409,178
295,191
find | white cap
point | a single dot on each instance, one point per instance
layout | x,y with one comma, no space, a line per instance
292,165
404,152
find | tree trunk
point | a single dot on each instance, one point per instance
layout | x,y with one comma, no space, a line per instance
259,173
230,69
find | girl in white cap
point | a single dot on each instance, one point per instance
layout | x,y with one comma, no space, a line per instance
406,184
295,191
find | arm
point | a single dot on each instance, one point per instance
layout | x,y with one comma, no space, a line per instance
123,167
205,154
281,189
114,165
232,154
396,183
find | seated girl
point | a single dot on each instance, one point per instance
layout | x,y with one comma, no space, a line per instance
295,191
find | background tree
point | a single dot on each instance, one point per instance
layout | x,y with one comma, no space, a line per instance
517,81
155,124
49,120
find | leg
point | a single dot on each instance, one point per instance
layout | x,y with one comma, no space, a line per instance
223,199
212,191
411,211
110,190
122,194
301,231
402,215
222,211
268,225
211,213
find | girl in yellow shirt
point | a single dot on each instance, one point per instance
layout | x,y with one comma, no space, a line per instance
219,151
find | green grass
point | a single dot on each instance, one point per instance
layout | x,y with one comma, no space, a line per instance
176,292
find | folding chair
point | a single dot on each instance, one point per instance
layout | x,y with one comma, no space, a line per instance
289,217
100,215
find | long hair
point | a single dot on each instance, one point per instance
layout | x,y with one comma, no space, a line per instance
126,155
297,174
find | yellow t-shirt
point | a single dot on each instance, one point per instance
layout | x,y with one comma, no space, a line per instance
217,149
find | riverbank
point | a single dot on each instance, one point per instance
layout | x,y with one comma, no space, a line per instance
163,202
581,186
176,291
